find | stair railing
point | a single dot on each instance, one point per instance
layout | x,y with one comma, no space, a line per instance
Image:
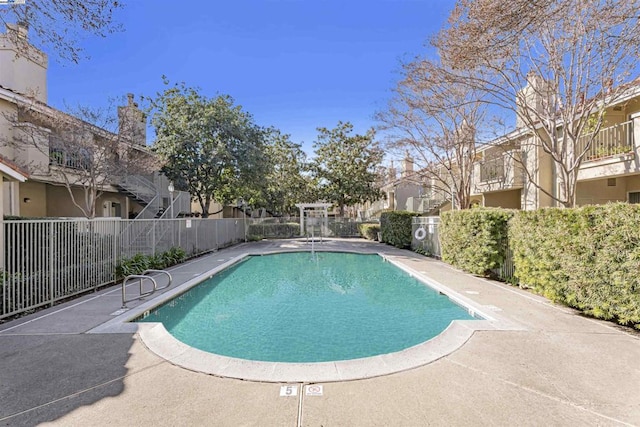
140,187
152,208
181,203
143,189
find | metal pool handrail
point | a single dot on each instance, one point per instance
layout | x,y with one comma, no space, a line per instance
141,278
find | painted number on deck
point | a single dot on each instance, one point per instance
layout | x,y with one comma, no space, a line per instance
288,390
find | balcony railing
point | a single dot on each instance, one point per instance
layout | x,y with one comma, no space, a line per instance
611,141
80,160
499,172
492,170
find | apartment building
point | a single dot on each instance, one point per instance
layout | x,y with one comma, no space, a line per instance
37,138
610,171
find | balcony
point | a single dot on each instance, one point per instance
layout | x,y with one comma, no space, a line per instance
492,170
502,172
80,160
613,141
612,153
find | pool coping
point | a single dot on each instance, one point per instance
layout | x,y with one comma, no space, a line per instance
157,339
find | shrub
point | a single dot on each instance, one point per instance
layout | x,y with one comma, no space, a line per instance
140,262
174,256
134,265
369,231
587,258
395,228
474,240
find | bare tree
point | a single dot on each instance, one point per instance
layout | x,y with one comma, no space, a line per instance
555,65
436,120
60,24
84,152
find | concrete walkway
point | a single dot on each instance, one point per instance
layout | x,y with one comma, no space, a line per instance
557,368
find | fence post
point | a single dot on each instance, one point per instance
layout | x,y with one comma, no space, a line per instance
215,231
179,227
51,258
195,232
115,243
153,237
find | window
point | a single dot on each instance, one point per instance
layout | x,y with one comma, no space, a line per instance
634,197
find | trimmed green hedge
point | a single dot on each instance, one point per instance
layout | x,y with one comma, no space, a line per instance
395,228
369,231
474,240
587,258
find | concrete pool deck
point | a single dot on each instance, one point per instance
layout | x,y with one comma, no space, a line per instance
555,368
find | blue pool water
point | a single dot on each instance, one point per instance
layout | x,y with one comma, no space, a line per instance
293,307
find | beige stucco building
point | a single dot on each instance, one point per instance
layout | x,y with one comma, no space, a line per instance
610,171
30,137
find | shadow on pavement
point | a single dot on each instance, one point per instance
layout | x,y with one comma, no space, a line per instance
43,377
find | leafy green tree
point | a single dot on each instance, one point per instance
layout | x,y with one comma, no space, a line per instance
210,147
346,165
287,181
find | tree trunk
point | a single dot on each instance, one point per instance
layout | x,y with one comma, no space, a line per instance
204,204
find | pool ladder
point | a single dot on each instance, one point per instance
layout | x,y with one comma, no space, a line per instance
142,277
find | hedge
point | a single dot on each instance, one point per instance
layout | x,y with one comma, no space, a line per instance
475,240
369,231
587,258
395,228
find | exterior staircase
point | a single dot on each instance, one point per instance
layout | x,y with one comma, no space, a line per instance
143,191
431,207
152,193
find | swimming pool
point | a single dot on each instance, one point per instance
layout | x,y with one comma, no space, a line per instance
299,308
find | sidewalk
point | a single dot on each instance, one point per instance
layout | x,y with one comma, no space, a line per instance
558,369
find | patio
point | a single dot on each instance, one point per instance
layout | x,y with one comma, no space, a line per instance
556,368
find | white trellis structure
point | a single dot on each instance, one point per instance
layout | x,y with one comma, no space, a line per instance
314,213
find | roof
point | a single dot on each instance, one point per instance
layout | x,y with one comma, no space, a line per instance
12,170
626,91
47,110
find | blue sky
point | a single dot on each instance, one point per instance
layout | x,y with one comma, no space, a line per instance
293,64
